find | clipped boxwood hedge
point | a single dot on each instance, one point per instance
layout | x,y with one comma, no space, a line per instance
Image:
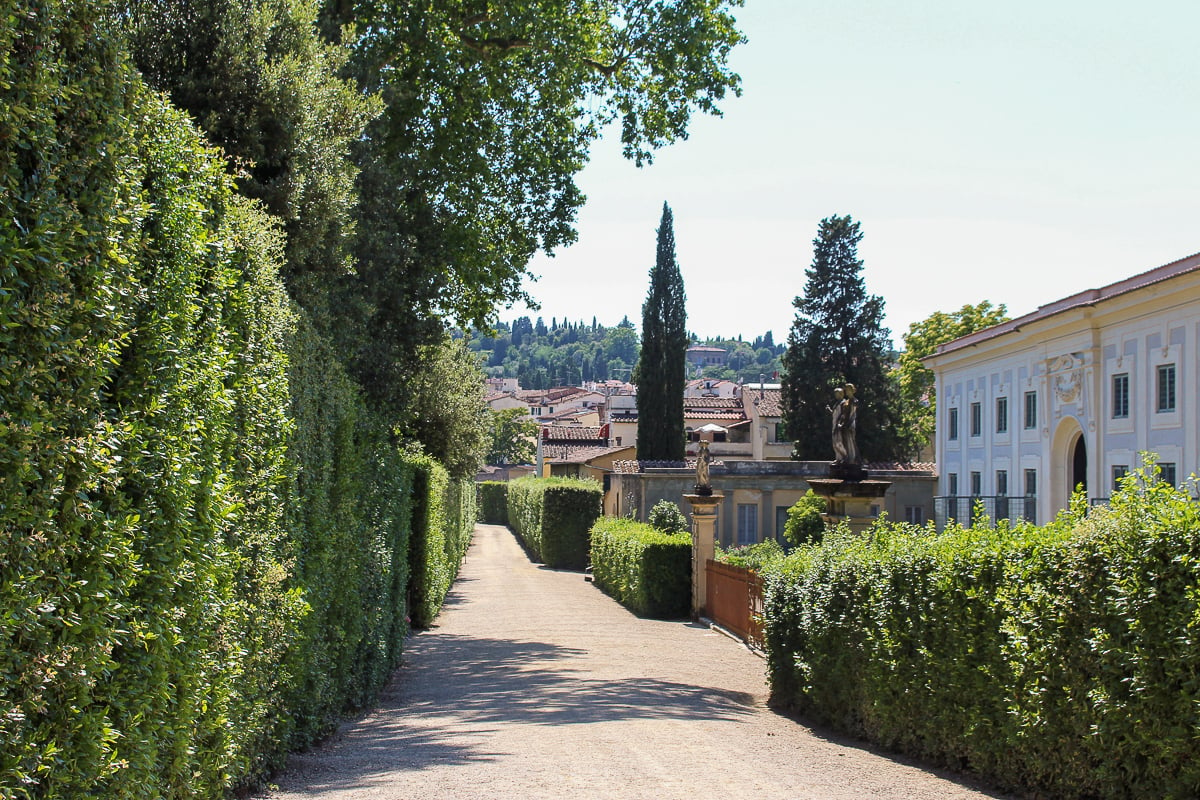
207,552
646,570
1063,660
493,502
553,517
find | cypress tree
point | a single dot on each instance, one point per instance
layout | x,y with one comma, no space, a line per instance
838,337
660,368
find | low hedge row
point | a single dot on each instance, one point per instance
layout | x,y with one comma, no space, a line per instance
1063,659
493,502
553,517
644,569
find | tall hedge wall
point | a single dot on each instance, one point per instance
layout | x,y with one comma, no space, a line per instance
442,524
493,502
644,569
553,517
1063,660
207,538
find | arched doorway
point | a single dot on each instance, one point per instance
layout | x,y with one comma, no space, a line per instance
1079,465
1067,469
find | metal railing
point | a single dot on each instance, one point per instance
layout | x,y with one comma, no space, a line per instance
969,509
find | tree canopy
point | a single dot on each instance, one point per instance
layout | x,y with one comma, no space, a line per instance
922,339
420,153
838,337
661,371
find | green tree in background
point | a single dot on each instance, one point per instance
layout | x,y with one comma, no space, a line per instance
513,437
922,339
660,373
836,338
448,415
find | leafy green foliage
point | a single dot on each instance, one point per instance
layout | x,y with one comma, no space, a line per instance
552,517
804,521
922,339
666,517
489,113
263,85
644,569
208,559
837,338
559,354
446,412
1061,659
661,369
442,523
513,437
759,556
493,502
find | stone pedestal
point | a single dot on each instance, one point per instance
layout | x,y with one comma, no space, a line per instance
704,547
849,500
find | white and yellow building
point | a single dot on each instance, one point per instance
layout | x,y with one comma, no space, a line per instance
1070,395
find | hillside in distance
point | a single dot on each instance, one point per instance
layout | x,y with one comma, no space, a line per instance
565,353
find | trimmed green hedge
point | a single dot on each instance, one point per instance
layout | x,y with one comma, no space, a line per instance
644,569
493,502
442,524
1063,659
553,517
207,552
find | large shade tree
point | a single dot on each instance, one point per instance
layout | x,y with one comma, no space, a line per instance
838,337
490,110
661,367
421,153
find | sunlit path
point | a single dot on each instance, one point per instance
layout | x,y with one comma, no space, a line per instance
534,684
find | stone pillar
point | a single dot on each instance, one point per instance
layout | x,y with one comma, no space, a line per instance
704,531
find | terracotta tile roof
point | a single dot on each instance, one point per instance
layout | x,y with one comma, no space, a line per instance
711,402
769,401
574,433
578,454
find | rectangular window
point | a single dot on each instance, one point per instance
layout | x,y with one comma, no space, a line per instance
1120,396
1166,472
1119,471
1030,410
952,424
914,515
952,484
976,484
1001,415
976,419
747,523
1166,387
1002,482
1031,483
780,432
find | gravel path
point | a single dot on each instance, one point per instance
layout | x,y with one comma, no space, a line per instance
534,684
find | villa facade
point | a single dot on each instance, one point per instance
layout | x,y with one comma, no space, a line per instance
1070,396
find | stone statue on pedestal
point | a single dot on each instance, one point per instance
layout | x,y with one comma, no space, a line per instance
845,425
703,484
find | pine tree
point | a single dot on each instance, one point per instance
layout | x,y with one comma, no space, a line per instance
837,338
660,369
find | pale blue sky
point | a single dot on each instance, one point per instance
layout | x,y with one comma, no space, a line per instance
1014,152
